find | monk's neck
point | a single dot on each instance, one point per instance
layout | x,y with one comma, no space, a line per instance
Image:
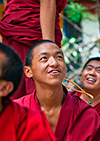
50,98
93,92
93,102
51,101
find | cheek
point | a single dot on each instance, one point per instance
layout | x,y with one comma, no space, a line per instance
84,73
98,76
65,71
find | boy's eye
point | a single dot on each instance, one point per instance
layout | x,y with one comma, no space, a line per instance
98,70
43,58
88,68
59,56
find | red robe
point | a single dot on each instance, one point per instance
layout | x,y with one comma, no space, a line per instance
96,107
8,1
20,28
78,121
21,124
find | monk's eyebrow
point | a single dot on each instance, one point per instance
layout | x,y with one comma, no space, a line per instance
59,52
46,53
89,66
92,66
43,53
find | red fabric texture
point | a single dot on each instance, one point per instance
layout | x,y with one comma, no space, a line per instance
21,21
21,124
8,1
77,121
20,28
97,107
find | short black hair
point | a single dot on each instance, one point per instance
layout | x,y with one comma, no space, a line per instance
11,67
29,56
90,59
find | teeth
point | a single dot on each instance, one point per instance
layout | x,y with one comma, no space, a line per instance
54,71
91,79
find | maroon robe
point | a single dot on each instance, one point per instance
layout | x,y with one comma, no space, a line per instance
78,121
20,28
96,107
8,1
21,124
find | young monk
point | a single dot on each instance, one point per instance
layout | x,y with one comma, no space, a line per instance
17,123
70,118
90,79
27,21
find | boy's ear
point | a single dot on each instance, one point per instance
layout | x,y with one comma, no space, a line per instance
81,78
28,71
6,88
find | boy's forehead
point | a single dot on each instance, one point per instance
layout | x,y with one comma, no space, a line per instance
92,61
47,47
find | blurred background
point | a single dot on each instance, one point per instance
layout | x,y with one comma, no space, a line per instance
1,13
81,35
1,8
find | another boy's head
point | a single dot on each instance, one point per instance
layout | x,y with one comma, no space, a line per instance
30,53
90,59
90,77
11,71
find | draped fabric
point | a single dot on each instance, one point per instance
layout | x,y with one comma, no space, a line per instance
21,21
8,1
21,124
78,121
96,107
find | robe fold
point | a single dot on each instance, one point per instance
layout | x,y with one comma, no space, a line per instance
20,28
21,124
8,1
21,22
96,107
78,121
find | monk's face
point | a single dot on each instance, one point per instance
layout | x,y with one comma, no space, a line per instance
91,76
48,65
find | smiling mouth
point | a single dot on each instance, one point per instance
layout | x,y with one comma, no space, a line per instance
54,72
91,79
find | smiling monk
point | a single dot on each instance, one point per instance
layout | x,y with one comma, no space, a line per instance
90,79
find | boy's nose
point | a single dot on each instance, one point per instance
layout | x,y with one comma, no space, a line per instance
53,61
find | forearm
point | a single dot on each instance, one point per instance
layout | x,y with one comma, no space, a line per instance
47,18
5,3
